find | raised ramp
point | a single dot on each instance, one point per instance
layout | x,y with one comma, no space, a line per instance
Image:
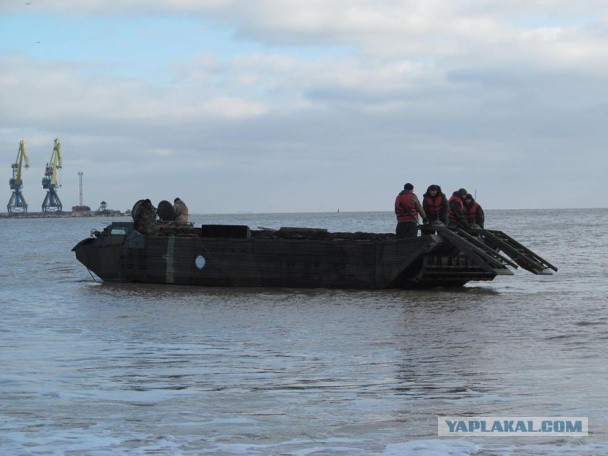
522,255
487,249
485,257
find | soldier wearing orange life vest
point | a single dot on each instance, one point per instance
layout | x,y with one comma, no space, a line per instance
456,214
435,205
407,208
473,211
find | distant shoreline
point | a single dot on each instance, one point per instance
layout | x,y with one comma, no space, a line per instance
38,215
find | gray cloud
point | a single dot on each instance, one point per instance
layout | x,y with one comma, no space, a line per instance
431,93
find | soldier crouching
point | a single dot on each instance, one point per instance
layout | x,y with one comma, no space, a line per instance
181,211
144,217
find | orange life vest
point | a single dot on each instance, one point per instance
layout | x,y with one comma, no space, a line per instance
452,215
405,208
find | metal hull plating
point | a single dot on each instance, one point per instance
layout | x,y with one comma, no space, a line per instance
258,261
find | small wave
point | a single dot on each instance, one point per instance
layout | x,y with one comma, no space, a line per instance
590,323
561,336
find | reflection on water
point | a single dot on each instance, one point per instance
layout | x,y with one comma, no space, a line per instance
96,368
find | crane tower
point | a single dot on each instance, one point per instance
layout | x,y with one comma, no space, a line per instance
51,202
17,202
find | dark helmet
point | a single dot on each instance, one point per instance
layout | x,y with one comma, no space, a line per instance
408,186
433,187
463,192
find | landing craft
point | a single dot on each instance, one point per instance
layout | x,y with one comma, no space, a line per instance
234,255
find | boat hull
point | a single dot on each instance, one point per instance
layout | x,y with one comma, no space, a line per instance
121,254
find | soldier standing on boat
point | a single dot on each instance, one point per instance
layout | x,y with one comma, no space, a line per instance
407,208
435,205
473,211
181,211
456,214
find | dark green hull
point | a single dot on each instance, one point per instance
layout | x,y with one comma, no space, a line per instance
235,256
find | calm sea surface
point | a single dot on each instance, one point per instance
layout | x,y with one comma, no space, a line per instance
88,368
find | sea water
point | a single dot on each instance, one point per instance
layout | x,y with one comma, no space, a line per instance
89,368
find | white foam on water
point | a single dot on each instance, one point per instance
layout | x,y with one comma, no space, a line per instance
461,447
236,420
59,442
289,447
567,449
328,449
432,447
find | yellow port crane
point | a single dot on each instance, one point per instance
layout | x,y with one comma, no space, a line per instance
51,202
17,202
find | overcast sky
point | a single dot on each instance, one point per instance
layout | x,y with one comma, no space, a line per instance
307,105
